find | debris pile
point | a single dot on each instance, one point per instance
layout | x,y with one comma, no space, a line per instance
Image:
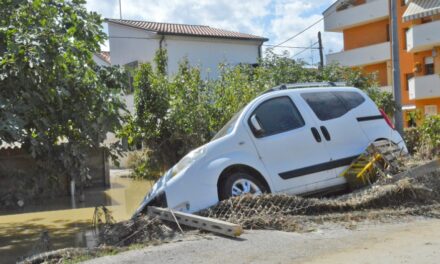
140,230
388,198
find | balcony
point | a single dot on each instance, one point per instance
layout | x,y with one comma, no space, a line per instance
423,37
368,55
424,87
371,11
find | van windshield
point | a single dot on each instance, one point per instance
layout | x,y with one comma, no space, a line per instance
227,129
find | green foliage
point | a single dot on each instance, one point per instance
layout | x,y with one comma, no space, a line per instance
412,139
178,113
424,140
430,130
51,89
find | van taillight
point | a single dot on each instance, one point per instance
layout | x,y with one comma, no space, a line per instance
387,119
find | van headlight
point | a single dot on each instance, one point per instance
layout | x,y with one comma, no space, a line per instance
188,160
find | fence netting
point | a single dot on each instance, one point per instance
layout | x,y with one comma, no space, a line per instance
387,198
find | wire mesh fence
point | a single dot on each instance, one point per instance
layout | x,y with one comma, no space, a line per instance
408,196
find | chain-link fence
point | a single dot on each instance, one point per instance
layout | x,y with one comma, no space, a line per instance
387,197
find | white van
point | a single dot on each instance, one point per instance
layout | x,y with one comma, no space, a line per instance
290,139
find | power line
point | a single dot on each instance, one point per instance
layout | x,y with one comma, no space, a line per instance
307,28
299,33
304,50
289,47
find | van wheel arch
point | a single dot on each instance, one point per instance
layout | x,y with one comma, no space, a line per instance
240,168
378,139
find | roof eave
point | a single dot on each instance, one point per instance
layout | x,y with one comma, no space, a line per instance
216,37
109,20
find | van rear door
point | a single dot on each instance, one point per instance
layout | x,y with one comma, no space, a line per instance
341,131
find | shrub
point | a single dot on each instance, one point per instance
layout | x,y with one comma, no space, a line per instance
174,114
424,141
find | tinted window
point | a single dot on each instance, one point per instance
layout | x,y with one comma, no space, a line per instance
326,105
276,116
351,99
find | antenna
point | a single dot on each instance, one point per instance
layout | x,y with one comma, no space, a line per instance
120,10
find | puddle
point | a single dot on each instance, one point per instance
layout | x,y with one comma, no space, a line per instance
68,224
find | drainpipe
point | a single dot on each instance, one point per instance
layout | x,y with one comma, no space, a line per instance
161,40
259,50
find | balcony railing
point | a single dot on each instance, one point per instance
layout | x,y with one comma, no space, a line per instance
368,12
423,37
424,87
368,55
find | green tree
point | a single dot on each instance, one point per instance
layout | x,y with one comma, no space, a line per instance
178,113
51,91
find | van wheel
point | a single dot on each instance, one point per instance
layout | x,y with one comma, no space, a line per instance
240,183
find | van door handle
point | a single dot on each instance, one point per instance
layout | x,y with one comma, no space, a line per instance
316,134
325,133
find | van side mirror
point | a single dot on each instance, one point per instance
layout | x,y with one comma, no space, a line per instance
256,124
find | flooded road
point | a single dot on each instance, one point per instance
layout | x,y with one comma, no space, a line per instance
20,231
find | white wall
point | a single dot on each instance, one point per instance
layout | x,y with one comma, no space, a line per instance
209,53
100,61
129,44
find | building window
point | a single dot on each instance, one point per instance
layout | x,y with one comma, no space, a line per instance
405,33
388,32
430,110
429,65
408,76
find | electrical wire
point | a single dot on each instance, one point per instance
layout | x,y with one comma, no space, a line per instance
307,28
305,49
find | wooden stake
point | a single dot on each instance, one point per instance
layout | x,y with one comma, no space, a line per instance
200,222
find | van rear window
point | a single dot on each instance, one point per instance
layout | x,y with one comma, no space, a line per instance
330,105
351,99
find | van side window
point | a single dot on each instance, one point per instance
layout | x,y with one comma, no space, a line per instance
277,115
326,105
351,99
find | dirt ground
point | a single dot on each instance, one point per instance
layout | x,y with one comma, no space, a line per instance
415,240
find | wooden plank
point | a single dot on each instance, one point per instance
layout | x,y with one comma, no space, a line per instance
200,222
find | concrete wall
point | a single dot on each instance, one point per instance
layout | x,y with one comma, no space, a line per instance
129,44
19,172
209,53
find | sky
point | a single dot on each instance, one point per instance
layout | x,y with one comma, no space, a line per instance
275,19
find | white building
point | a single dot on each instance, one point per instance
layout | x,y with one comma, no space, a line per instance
102,58
133,42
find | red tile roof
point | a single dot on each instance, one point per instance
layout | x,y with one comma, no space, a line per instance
105,56
186,30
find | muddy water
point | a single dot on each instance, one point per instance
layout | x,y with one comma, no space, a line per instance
21,231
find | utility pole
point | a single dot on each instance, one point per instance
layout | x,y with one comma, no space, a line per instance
398,116
120,10
321,55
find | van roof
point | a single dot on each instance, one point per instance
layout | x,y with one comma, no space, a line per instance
306,85
310,87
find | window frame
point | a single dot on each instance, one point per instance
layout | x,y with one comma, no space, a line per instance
256,134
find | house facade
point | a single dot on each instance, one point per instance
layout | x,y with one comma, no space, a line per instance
133,42
365,25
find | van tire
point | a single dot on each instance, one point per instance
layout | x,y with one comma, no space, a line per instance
226,189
